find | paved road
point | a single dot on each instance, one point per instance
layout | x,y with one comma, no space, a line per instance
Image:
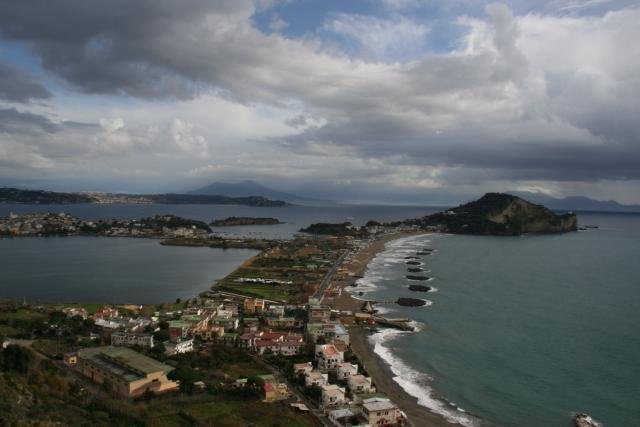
329,277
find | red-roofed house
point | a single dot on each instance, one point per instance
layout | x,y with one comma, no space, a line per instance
106,312
328,356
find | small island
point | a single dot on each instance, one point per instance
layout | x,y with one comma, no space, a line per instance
244,220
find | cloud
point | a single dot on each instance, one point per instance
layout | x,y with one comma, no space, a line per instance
395,39
277,23
19,86
531,97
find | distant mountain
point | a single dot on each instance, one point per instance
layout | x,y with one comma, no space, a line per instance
576,203
498,214
16,195
251,188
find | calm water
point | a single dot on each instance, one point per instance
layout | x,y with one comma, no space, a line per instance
91,269
522,331
116,270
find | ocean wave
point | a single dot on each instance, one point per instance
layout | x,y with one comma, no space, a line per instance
414,382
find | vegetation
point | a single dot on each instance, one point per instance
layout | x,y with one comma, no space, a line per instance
340,229
37,391
202,199
244,220
15,195
220,242
498,214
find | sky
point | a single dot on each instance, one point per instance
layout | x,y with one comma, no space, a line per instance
391,101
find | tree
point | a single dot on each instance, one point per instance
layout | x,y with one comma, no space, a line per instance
16,358
186,375
314,393
161,335
158,349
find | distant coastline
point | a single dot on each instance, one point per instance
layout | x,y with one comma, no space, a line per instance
41,197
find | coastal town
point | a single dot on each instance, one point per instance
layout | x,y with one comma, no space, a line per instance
281,340
284,313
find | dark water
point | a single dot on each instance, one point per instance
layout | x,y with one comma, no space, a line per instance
137,270
523,331
115,270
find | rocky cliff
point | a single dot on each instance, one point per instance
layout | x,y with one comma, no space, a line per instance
500,214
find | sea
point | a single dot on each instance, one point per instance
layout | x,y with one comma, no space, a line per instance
136,271
517,331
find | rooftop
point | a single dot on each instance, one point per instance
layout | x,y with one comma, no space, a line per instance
123,362
379,405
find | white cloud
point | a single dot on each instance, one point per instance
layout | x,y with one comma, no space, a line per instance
394,39
524,98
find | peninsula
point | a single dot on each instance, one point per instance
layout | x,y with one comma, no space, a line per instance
498,214
244,220
62,224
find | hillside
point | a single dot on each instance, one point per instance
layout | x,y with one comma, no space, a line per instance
499,214
244,220
252,188
16,195
202,199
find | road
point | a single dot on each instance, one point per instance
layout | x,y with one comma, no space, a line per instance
319,294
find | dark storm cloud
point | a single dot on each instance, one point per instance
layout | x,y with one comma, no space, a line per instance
532,97
13,121
119,46
18,86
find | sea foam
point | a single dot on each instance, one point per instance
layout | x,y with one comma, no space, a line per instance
414,382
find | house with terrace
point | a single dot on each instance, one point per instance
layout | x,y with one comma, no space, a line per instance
328,356
345,370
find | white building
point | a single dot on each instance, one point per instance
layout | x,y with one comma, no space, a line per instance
316,378
341,417
360,384
382,412
304,368
131,338
178,347
346,369
328,356
332,395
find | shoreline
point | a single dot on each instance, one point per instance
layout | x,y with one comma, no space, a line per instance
377,368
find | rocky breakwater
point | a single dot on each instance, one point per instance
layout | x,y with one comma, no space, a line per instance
419,288
411,302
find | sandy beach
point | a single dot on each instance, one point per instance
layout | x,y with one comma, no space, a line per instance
376,367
